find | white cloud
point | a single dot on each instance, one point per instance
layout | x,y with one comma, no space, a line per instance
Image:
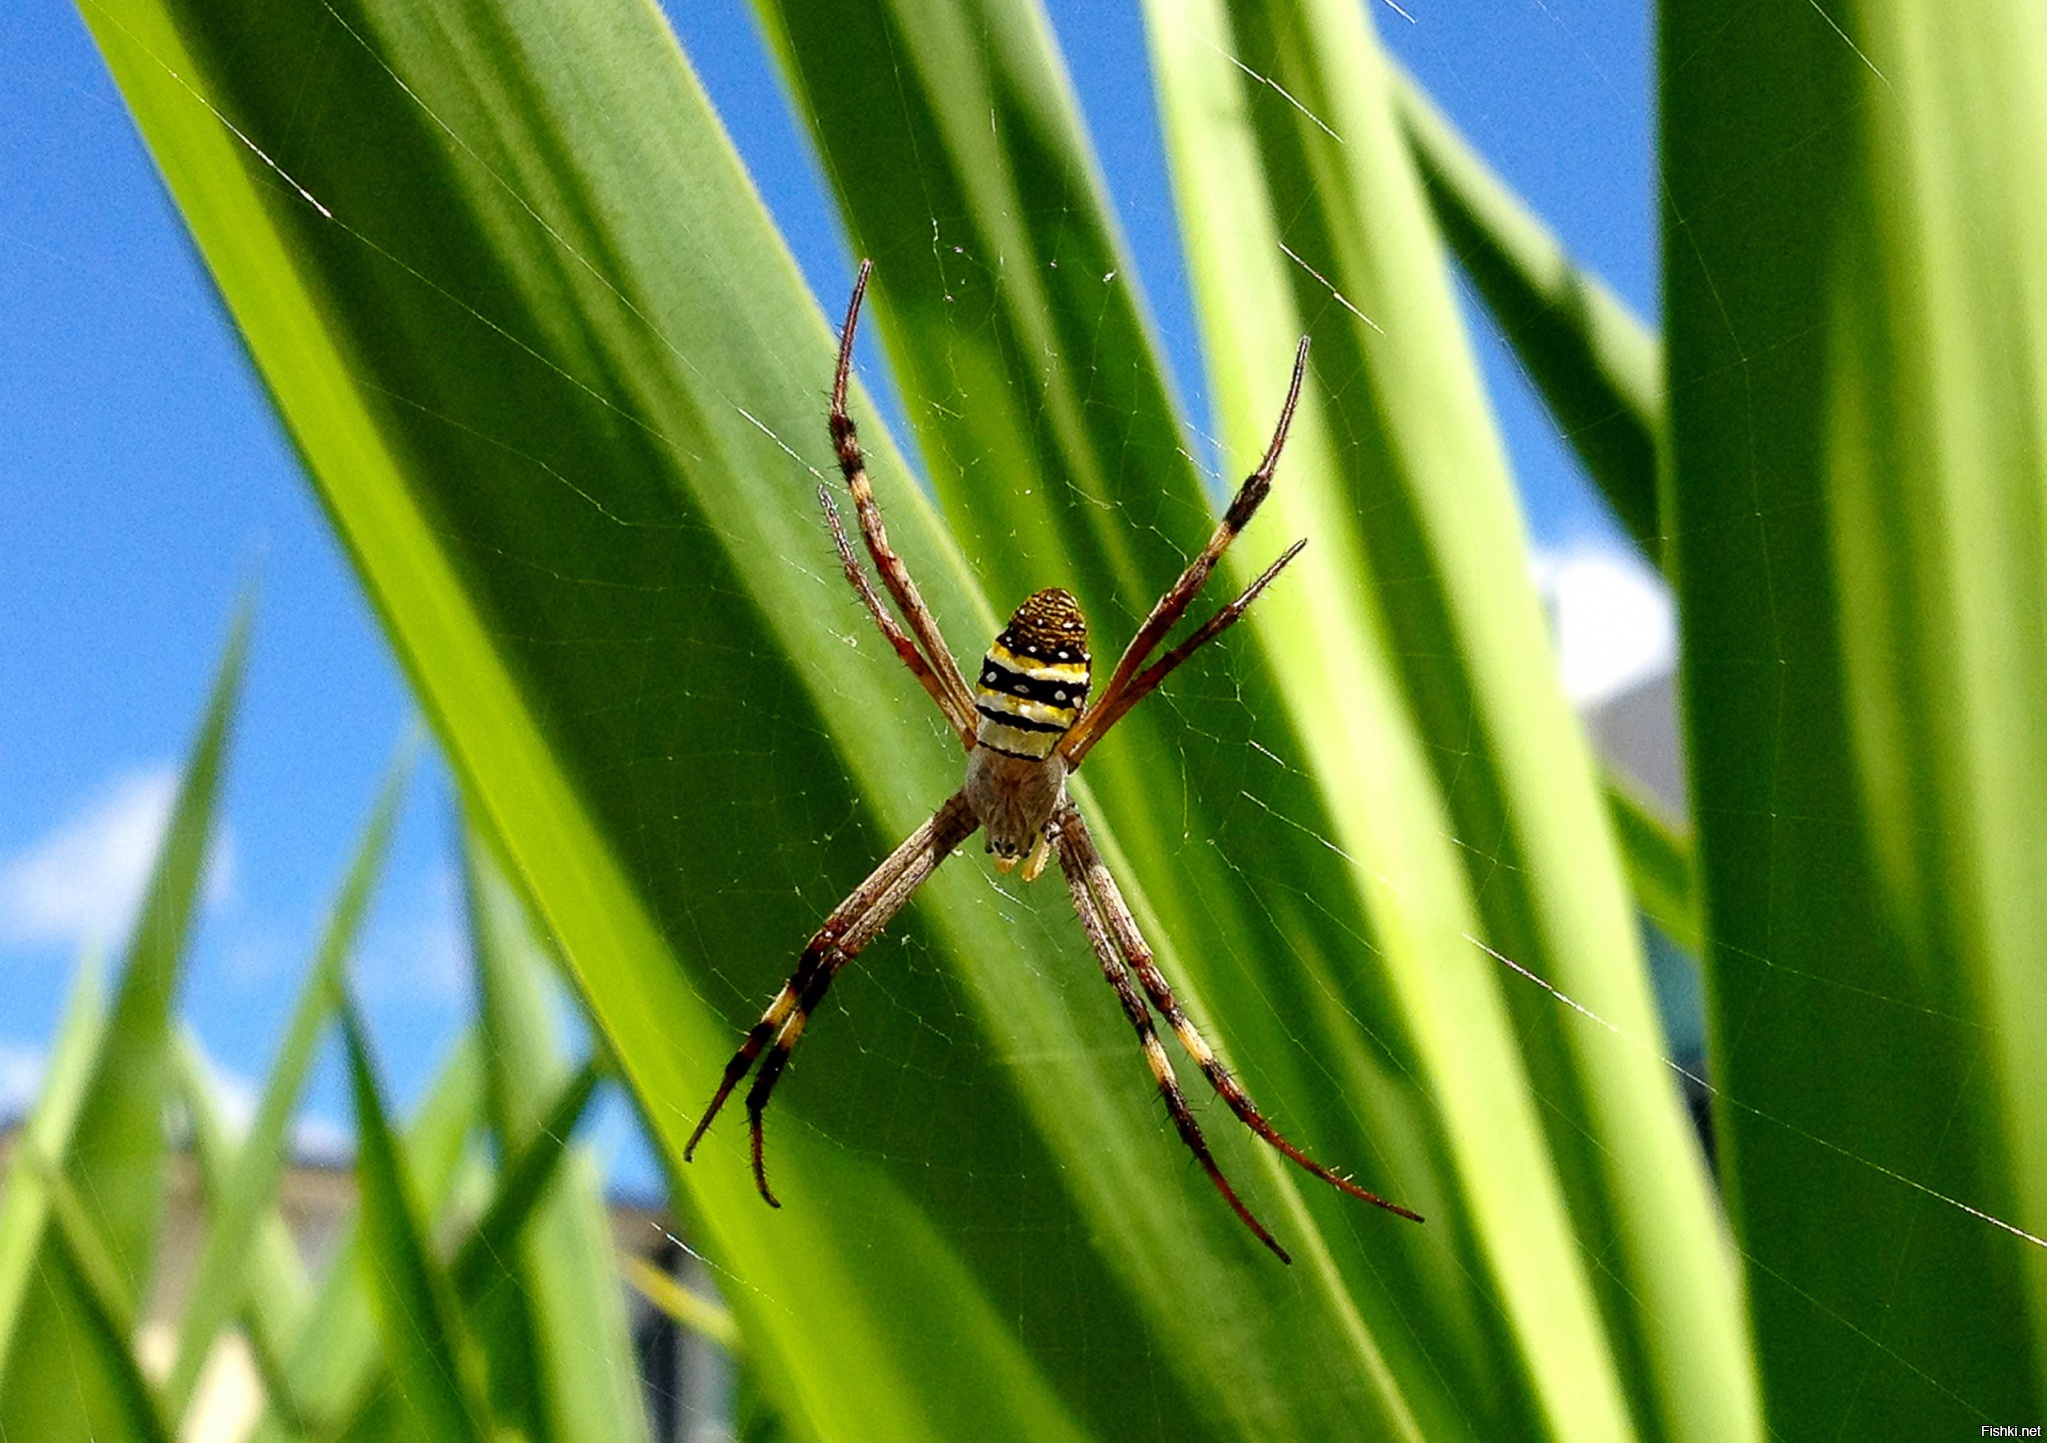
83,880
1612,617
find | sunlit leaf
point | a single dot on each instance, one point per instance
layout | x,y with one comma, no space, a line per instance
1854,196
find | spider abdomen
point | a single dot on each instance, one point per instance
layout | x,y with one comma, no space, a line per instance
1034,679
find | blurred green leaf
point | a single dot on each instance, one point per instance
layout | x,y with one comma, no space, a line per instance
24,1206
437,1366
692,1310
246,1196
333,1366
524,1184
1658,855
116,1156
478,1276
1854,199
112,1157
559,1264
276,1294
86,1278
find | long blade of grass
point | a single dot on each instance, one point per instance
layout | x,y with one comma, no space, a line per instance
334,1360
524,1183
478,1275
24,1207
1022,347
436,1364
276,1293
1854,201
250,1190
87,1276
116,1156
550,366
1594,1217
1594,362
566,1284
113,1157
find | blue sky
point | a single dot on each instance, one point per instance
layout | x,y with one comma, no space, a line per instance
144,482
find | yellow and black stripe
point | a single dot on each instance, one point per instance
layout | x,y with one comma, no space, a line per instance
1034,680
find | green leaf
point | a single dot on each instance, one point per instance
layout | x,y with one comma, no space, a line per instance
691,1309
87,1282
276,1294
334,1360
1658,855
437,1367
117,1150
24,1206
560,1264
112,1157
249,1192
1853,204
641,465
479,1278
524,1184
1594,362
1453,772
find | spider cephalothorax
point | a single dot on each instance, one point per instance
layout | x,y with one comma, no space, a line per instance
1025,726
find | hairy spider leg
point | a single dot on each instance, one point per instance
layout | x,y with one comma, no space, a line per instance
1123,931
1181,595
1081,885
941,677
906,649
1147,681
852,925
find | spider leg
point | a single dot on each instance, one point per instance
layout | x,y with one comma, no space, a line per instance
1076,842
1173,605
1080,884
905,648
853,924
942,675
1147,681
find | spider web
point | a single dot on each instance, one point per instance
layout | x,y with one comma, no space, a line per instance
901,1025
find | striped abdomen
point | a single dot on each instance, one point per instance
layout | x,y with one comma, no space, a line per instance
1034,679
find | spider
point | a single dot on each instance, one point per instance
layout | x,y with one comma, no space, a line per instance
1025,727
